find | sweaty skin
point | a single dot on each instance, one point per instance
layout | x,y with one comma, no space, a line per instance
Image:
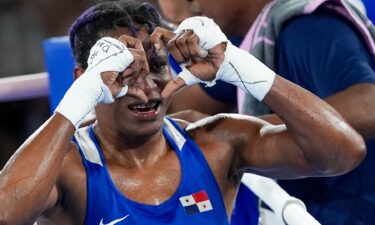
355,103
47,178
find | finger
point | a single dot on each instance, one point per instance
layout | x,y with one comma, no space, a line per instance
129,72
136,65
160,36
175,51
131,42
124,77
123,91
218,49
182,44
194,48
137,92
109,77
172,87
143,66
113,81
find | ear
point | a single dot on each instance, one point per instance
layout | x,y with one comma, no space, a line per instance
78,71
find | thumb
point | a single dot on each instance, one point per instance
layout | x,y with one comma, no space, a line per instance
123,91
172,87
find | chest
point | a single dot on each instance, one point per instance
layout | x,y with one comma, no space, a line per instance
151,185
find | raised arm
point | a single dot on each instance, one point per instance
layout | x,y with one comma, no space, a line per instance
318,140
355,104
28,182
315,141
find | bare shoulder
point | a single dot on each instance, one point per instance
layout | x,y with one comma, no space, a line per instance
70,191
234,129
219,138
72,169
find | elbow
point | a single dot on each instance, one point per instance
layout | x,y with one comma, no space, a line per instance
354,153
349,153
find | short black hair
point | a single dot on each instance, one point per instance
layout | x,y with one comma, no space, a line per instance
106,16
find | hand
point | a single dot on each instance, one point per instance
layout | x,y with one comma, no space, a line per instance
138,69
223,60
110,66
201,59
108,58
203,65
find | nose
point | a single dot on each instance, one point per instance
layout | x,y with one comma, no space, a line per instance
146,84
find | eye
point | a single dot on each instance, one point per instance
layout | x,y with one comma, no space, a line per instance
158,66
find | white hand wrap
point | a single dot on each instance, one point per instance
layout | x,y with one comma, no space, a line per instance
239,68
206,29
209,35
245,71
107,55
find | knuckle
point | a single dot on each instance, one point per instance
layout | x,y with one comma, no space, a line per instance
192,41
181,41
171,47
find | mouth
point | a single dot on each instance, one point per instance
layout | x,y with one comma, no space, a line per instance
146,111
145,107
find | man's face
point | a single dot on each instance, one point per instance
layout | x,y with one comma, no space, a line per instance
130,115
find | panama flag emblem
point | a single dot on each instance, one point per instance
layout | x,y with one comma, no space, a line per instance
196,203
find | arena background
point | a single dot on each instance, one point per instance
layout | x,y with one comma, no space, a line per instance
23,27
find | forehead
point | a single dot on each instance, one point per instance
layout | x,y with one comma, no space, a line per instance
137,31
140,32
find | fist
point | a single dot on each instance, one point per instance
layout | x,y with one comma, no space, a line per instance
198,45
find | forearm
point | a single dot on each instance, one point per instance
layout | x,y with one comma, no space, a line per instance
29,176
324,137
356,104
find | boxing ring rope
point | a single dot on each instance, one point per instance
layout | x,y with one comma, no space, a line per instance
287,208
24,87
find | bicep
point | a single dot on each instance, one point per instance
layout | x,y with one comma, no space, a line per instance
259,147
273,153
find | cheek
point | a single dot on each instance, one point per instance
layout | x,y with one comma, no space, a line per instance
164,79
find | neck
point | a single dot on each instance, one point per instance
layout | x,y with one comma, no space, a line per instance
131,151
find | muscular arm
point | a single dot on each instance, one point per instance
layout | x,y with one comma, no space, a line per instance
318,138
27,182
355,104
315,141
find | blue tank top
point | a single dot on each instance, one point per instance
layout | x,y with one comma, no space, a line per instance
197,200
